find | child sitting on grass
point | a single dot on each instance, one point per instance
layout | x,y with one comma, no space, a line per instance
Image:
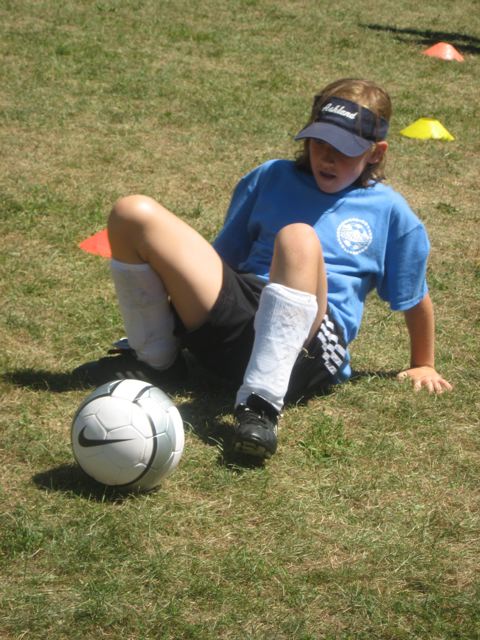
274,303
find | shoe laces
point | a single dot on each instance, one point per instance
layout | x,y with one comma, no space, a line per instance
259,412
253,417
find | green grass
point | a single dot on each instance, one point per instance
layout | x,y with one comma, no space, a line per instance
365,525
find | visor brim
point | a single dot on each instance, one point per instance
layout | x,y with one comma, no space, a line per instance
344,141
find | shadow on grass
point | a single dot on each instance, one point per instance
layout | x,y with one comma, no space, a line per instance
357,376
206,413
69,478
427,37
208,401
42,380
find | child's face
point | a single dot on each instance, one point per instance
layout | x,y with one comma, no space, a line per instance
334,171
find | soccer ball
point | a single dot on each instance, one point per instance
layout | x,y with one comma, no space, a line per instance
128,434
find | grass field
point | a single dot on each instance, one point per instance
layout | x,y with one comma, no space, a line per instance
366,524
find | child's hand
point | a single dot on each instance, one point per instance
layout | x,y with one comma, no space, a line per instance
425,377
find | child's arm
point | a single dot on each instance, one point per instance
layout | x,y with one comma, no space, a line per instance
420,324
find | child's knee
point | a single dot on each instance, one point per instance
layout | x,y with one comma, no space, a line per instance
129,219
132,209
298,239
131,216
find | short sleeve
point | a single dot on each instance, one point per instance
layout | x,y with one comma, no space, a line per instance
233,242
403,284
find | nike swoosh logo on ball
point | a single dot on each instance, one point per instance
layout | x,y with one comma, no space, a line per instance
83,441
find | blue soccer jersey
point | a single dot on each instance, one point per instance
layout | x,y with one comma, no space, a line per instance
370,237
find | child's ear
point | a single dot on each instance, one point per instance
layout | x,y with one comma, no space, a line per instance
378,151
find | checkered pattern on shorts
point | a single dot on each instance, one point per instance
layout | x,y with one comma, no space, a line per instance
333,349
318,363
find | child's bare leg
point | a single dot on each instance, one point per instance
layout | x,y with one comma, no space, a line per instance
141,231
156,257
291,308
298,263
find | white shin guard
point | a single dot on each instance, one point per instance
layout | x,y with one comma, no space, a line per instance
146,313
282,324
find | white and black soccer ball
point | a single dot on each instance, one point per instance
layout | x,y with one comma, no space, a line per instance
128,434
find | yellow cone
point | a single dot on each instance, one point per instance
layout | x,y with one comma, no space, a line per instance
427,129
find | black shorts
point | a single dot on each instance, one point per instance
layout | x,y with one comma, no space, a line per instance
224,343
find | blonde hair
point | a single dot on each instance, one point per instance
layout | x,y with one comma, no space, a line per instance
366,94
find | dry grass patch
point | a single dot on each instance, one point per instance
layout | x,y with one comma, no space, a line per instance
365,525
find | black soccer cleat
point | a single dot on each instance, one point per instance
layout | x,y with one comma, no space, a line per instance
255,431
124,364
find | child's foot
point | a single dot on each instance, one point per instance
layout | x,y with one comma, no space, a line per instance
255,431
125,364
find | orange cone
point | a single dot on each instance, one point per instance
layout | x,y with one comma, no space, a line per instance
97,244
444,51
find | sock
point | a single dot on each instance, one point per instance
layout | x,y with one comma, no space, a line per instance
146,312
282,323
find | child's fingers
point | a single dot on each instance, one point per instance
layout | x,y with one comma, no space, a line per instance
432,381
445,385
439,385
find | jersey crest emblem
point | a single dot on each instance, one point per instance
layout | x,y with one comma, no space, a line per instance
354,235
